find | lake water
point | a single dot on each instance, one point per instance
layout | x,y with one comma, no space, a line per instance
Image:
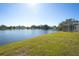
8,36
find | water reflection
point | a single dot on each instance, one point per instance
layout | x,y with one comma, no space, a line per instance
8,36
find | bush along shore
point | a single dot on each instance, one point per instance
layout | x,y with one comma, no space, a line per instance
54,44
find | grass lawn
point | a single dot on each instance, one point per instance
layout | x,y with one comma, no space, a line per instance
54,44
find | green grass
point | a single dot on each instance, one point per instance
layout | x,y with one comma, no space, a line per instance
57,44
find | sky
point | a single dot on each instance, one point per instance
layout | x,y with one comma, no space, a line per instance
14,14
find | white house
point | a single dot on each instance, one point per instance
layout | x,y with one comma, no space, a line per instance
70,25
77,28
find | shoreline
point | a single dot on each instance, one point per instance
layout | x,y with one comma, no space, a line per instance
60,44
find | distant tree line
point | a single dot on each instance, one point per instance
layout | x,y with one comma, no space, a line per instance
4,27
42,27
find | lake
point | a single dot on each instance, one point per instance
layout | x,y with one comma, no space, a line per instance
8,36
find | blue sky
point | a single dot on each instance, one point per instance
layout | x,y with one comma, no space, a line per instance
37,14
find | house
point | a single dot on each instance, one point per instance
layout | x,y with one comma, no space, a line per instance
69,25
77,28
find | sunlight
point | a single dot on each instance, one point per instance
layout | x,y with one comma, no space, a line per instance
33,7
32,4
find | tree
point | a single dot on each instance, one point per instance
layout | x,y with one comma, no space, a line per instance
3,27
33,27
45,27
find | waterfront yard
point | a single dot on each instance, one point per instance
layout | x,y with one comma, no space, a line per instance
54,44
